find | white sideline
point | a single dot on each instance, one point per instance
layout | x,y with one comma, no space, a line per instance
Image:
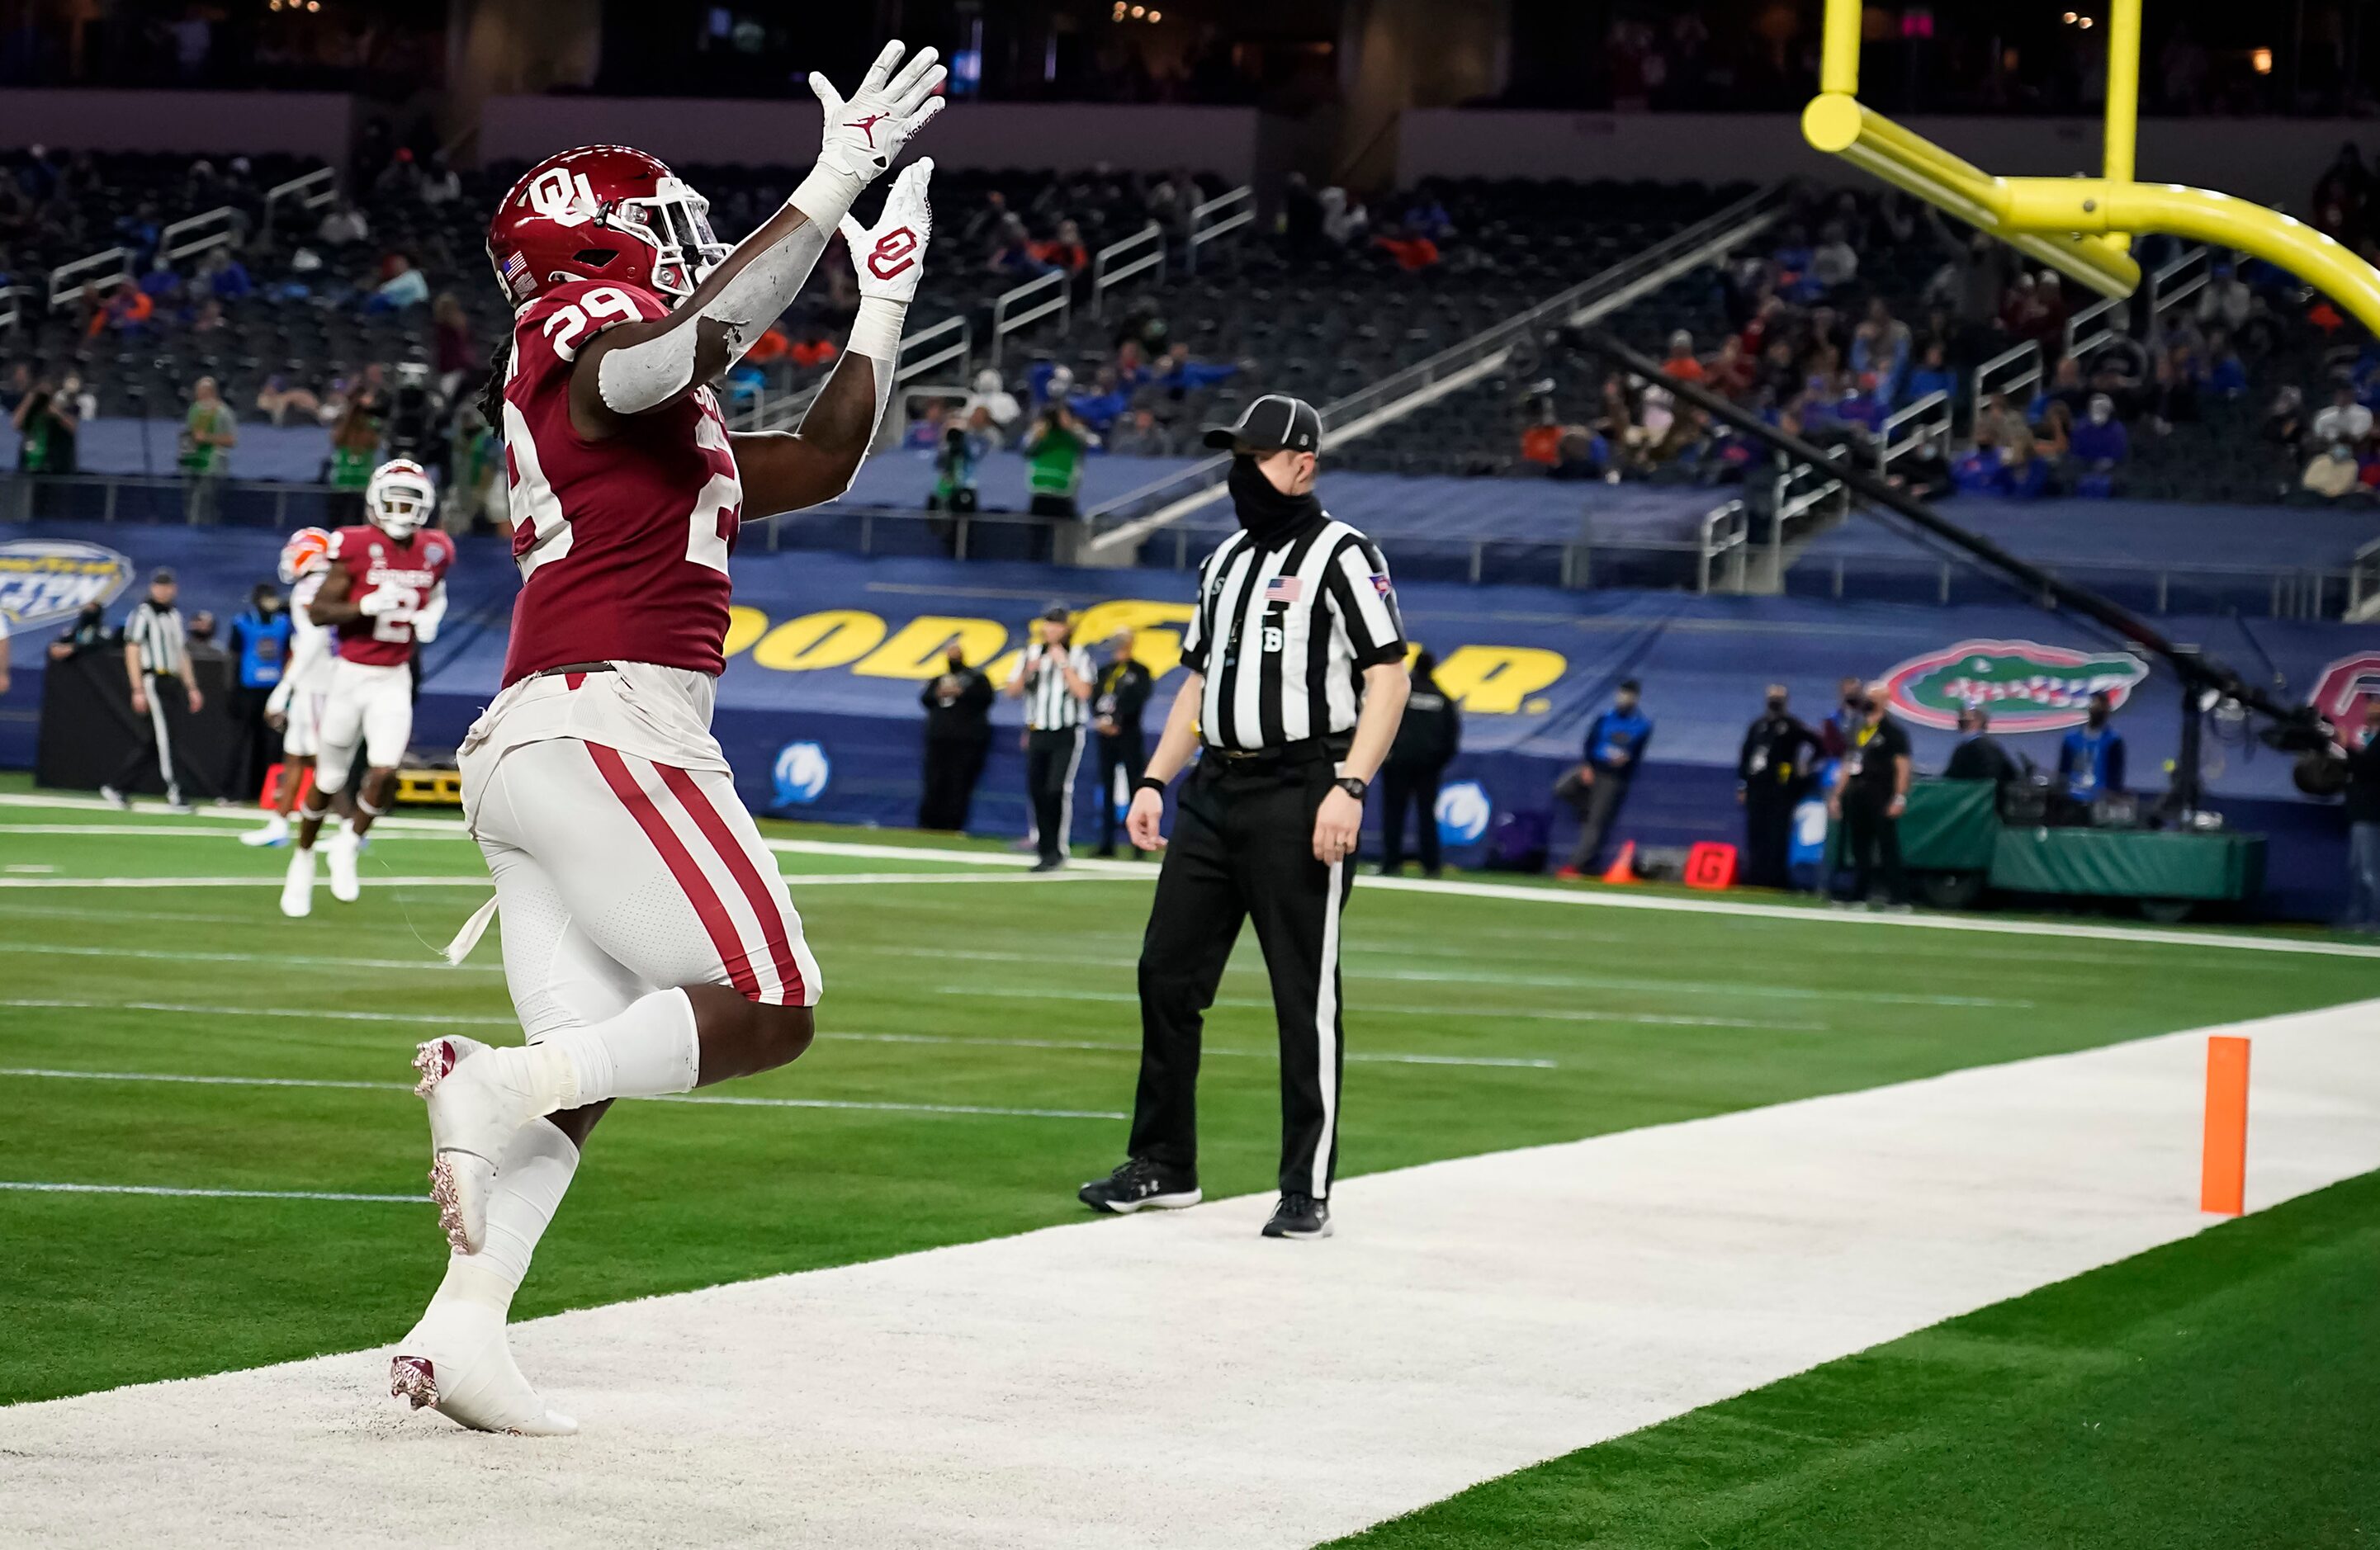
1176,1381
1607,898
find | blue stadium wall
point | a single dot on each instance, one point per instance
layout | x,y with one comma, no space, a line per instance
832,650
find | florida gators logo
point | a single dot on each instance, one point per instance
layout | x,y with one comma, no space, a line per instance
2025,685
894,251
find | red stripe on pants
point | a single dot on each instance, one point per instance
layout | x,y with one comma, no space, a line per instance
697,888
766,907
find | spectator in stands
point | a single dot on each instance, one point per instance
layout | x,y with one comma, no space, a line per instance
223,276
127,311
2226,301
1616,741
2091,759
2285,422
1345,221
1066,252
1933,373
2225,373
2332,472
1054,450
2344,419
13,388
2364,823
1012,251
1301,218
209,432
2100,445
440,186
1733,371
1178,375
2065,386
1880,350
1412,251
1541,438
402,287
1680,361
999,405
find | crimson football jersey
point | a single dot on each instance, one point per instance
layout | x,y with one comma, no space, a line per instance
376,563
622,543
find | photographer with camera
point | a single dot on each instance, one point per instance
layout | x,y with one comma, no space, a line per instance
1054,450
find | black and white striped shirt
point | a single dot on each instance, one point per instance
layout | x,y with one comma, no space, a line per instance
1283,632
157,632
1050,705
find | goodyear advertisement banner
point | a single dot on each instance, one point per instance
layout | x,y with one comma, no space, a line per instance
819,706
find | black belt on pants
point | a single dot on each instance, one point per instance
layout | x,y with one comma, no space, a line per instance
1283,756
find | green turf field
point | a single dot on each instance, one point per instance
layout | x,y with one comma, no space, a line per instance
961,1089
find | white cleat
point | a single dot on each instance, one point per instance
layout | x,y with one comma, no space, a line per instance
275,833
457,1362
345,885
477,1098
297,885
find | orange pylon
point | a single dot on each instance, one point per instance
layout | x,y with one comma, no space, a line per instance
1624,866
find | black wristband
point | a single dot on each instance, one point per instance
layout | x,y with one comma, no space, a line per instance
1148,782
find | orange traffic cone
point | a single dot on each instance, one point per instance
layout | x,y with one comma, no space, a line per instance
1624,866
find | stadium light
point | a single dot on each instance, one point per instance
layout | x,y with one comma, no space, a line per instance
2080,226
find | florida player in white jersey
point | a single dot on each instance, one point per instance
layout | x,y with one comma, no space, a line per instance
384,591
295,707
649,942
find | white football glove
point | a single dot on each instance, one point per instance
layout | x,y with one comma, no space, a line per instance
386,599
890,257
865,132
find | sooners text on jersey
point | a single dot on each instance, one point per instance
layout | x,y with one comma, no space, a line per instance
376,563
622,543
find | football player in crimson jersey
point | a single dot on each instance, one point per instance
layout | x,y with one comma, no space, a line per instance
384,592
648,943
294,708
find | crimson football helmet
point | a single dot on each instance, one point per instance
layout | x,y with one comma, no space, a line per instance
400,498
602,213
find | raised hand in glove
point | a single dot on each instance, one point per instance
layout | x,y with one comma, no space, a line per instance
864,132
890,256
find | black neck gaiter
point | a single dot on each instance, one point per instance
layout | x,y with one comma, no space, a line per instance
1266,513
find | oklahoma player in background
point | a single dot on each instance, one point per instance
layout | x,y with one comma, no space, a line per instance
295,705
384,592
648,943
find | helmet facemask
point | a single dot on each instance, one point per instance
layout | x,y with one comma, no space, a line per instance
400,501
677,221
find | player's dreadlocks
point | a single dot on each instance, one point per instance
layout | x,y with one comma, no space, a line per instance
491,392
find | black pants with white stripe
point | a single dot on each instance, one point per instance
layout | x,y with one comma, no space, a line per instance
154,749
1242,849
1051,760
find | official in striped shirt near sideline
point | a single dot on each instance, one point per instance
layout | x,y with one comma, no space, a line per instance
157,661
1295,684
1053,678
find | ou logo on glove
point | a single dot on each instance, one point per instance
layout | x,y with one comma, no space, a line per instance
894,251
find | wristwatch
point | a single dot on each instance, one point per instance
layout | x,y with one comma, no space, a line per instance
1353,786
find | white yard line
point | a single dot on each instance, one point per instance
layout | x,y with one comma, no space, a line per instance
1177,1381
722,1099
31,1187
1606,898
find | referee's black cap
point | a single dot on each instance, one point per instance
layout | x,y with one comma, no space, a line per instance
1272,423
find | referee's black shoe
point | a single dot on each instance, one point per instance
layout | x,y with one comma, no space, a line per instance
1141,1185
1299,1215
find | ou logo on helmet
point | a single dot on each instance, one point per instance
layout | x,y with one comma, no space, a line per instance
803,770
894,251
562,195
1462,813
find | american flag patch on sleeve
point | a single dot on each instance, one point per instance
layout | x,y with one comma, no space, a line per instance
1284,590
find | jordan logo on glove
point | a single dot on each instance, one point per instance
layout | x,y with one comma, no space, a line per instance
867,126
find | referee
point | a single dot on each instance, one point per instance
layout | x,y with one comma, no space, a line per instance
1053,679
157,660
1295,683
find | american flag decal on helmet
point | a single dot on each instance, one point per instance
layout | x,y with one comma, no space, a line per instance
515,271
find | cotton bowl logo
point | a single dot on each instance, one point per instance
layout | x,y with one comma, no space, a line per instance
2025,685
1462,813
45,580
802,772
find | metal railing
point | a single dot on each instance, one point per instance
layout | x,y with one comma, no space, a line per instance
107,270
2363,584
14,299
1726,534
1912,427
307,191
2173,283
1120,260
1028,304
2093,328
1131,516
218,227
2016,370
952,339
1223,213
